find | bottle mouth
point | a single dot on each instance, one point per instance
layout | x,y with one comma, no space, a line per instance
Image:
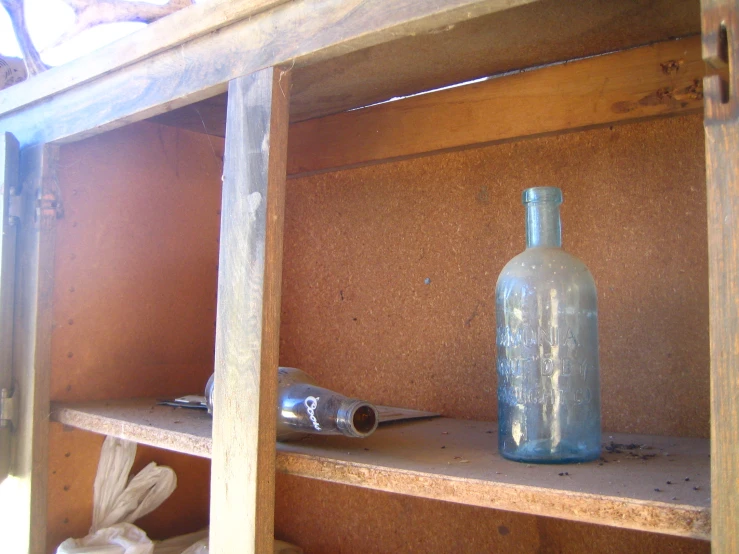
542,194
358,419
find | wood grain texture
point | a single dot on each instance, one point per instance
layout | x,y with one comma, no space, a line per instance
722,182
656,80
248,317
342,519
198,69
523,37
565,30
9,181
25,524
9,187
179,27
722,167
390,271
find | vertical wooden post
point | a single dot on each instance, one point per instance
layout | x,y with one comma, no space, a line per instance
248,316
23,494
721,52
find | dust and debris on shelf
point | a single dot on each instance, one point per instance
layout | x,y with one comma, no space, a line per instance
630,451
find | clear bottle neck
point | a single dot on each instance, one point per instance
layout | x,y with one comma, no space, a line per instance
543,223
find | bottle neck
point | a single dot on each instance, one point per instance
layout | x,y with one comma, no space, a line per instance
543,225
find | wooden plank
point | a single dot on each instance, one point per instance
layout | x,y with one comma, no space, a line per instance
420,62
656,80
298,33
457,461
722,167
9,186
248,315
25,523
722,183
141,420
526,36
166,33
662,79
408,458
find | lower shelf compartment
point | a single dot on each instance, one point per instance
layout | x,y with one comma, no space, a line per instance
648,483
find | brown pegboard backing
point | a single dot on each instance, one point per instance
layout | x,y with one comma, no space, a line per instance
73,461
559,537
326,518
136,264
390,271
134,302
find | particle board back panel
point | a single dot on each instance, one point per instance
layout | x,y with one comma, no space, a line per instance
134,303
136,264
329,518
390,271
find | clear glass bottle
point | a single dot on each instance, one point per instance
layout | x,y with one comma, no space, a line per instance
305,408
547,343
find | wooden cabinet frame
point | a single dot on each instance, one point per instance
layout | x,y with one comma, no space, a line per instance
196,54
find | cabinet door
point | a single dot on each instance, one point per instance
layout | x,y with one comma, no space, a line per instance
26,342
9,191
720,50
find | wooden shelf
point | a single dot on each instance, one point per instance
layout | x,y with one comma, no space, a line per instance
457,461
141,420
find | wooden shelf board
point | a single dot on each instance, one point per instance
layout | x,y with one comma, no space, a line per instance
141,420
458,461
528,35
658,80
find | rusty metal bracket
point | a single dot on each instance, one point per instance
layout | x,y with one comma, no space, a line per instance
721,83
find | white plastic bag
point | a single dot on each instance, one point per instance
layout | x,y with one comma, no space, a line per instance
121,538
118,502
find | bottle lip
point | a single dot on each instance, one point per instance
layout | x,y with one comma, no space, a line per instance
542,194
357,418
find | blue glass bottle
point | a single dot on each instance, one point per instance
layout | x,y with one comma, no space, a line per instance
547,345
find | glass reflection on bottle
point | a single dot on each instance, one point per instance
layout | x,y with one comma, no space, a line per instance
547,346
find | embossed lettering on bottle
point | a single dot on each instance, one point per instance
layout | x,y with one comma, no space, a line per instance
547,346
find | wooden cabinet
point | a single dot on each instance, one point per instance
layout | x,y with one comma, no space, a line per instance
253,183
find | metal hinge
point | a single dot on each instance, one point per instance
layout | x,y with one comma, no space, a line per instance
8,409
721,83
48,208
14,206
